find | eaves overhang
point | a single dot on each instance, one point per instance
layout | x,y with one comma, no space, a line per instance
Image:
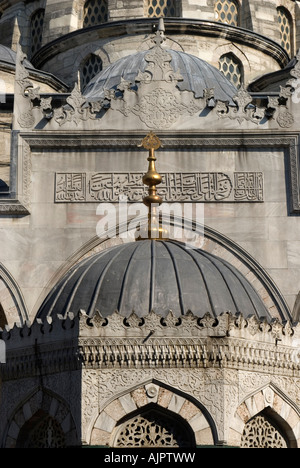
173,26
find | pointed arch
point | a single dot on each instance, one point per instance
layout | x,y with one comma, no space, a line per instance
95,12
232,68
165,8
41,414
151,399
41,431
90,67
13,307
285,24
228,12
153,426
36,30
273,413
265,430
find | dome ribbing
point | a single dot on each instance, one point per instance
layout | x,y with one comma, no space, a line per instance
159,276
197,75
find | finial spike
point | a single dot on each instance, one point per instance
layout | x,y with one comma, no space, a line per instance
161,25
160,33
153,229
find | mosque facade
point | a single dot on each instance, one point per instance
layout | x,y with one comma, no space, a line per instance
150,242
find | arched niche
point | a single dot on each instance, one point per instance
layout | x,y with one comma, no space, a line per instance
41,420
12,305
266,419
149,405
153,426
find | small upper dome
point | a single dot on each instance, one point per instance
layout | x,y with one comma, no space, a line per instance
159,276
197,75
8,56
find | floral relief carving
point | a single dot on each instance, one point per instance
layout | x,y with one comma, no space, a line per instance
217,370
161,108
91,388
26,92
285,119
76,110
157,102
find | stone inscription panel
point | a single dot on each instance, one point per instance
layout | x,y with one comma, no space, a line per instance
82,187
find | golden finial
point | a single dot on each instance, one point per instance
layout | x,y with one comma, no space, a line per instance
153,229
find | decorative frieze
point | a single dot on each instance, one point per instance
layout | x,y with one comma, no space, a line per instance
186,342
99,187
153,99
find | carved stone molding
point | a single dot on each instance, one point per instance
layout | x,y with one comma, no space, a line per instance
18,200
216,361
287,142
156,101
151,395
116,342
13,208
25,95
270,397
216,390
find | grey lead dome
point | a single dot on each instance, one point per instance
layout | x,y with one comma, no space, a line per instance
197,75
154,276
9,57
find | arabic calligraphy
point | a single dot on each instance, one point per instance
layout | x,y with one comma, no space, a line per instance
248,186
70,187
175,186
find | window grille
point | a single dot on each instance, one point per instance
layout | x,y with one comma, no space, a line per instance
285,29
231,67
153,429
227,11
95,12
260,433
36,31
158,8
46,434
91,67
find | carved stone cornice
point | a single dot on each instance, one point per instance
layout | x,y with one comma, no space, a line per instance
17,203
13,208
81,341
181,139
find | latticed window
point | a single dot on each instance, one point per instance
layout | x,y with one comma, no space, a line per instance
46,434
158,8
152,429
95,12
227,11
285,27
36,31
259,432
232,68
91,67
